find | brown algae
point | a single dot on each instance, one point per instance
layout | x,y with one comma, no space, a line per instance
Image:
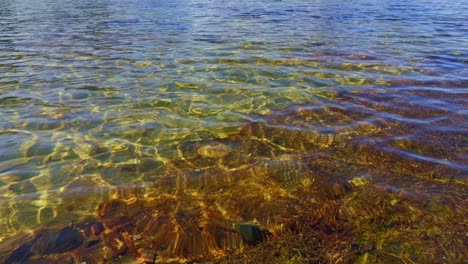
269,195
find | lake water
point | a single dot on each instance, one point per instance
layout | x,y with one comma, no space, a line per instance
233,131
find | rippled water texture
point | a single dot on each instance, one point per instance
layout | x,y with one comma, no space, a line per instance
233,131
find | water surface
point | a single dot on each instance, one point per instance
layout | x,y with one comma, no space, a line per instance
183,124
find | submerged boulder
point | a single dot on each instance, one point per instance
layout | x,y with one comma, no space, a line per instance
45,242
251,234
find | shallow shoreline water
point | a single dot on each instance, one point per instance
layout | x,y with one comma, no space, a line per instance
233,132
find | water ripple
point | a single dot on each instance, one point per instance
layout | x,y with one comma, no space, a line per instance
99,96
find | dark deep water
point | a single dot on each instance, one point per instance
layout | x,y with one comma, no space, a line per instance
233,131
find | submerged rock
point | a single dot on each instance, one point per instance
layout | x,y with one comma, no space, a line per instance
46,242
21,254
66,239
359,181
251,234
214,150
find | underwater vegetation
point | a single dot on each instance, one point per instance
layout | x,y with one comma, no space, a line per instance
269,193
243,132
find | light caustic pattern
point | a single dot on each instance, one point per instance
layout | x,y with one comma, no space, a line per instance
158,132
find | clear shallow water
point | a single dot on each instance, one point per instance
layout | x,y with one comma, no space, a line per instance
198,100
